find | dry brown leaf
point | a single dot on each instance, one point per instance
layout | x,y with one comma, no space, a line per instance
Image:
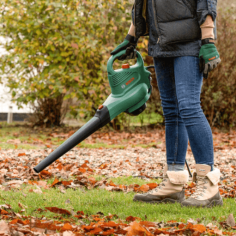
14,141
68,233
136,229
230,220
54,182
132,218
21,154
92,180
42,184
62,189
112,184
66,183
3,212
15,182
21,205
199,228
217,231
58,210
67,226
152,185
148,224
4,228
82,170
45,173
37,191
144,188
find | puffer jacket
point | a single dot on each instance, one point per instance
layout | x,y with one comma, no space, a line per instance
173,26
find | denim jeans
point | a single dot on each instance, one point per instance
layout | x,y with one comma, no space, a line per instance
179,82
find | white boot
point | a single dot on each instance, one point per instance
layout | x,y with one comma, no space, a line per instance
170,189
207,191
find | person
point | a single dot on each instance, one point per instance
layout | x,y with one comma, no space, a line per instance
182,38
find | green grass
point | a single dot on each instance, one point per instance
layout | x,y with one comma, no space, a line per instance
104,145
120,203
19,146
142,119
38,139
131,180
127,180
23,134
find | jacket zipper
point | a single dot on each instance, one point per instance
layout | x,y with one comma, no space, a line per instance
155,19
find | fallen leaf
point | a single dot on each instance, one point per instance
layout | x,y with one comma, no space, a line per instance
136,228
230,220
21,154
144,188
58,210
4,228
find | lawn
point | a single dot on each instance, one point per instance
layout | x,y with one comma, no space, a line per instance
22,136
120,203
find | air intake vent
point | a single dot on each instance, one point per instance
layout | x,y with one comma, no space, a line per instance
120,77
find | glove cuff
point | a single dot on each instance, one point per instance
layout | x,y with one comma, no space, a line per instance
131,39
207,41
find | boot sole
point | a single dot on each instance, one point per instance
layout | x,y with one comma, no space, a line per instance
211,204
166,200
215,203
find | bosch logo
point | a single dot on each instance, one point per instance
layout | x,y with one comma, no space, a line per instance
129,81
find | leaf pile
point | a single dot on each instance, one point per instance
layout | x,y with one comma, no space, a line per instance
98,225
221,140
153,138
82,164
78,169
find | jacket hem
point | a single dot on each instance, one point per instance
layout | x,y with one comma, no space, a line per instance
173,54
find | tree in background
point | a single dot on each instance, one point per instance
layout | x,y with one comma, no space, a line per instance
57,52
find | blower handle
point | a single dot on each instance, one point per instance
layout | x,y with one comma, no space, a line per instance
111,60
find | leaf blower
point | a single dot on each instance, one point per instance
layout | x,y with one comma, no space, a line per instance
130,90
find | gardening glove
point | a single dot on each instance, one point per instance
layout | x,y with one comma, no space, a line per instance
130,43
209,57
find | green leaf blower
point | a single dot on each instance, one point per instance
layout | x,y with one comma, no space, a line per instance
130,87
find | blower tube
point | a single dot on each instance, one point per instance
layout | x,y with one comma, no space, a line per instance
100,119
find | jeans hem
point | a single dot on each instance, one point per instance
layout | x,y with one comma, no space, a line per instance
175,163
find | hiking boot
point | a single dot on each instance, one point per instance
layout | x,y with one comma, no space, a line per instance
207,191
170,189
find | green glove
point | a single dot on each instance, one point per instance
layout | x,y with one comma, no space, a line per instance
209,57
130,43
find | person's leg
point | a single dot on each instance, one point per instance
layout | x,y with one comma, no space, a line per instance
174,177
175,132
188,80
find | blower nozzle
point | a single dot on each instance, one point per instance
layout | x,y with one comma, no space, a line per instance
100,119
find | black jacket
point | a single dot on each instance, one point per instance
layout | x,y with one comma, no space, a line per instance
173,26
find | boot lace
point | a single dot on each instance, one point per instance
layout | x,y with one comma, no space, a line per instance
162,184
200,187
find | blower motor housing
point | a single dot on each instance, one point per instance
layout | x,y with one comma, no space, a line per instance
138,111
130,87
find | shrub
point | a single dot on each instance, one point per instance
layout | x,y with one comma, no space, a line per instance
58,50
219,90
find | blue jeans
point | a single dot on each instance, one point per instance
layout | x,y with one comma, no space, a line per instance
179,82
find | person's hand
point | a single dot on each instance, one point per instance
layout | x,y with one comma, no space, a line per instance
209,57
130,43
